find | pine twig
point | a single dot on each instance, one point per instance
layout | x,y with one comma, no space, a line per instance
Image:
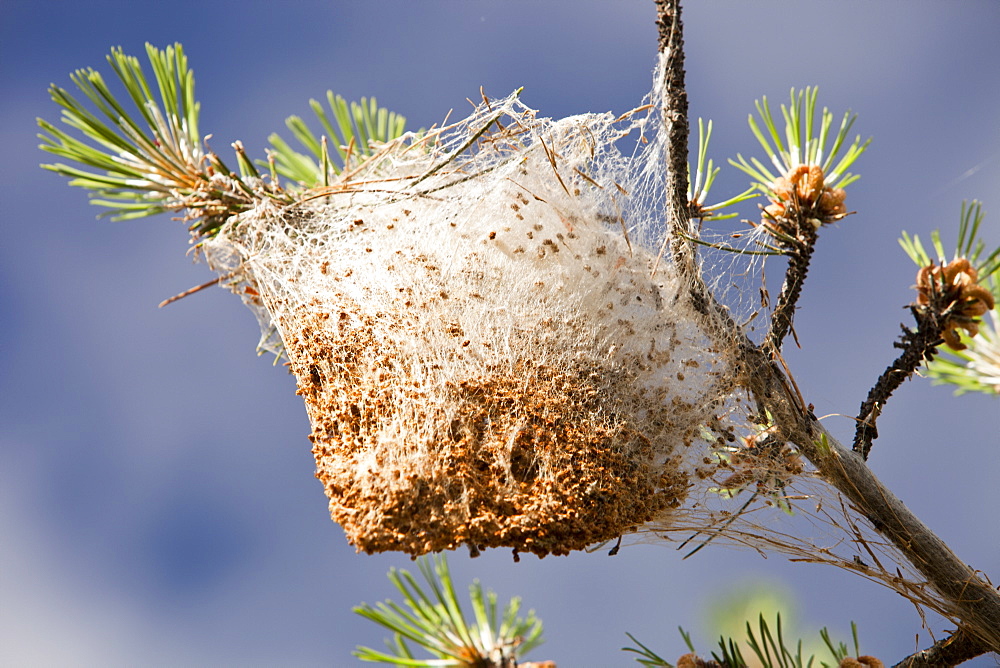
799,251
949,298
807,193
917,346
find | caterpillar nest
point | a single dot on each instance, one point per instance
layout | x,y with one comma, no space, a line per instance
490,348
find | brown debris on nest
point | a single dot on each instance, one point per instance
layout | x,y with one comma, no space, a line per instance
525,457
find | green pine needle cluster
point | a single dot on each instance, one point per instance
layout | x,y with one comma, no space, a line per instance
700,183
141,153
770,650
969,245
432,618
358,125
977,368
802,142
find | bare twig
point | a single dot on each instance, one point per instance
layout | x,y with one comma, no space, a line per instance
191,291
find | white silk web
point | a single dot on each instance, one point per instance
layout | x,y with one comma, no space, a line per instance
495,350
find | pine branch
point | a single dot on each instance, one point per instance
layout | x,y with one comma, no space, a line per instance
808,192
683,235
675,124
149,157
973,361
975,603
950,651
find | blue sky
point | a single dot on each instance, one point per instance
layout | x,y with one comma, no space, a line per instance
157,502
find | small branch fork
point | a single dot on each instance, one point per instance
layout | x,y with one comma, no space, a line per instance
974,602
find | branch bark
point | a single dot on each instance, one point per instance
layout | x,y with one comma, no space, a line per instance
951,651
800,254
675,124
917,346
974,602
